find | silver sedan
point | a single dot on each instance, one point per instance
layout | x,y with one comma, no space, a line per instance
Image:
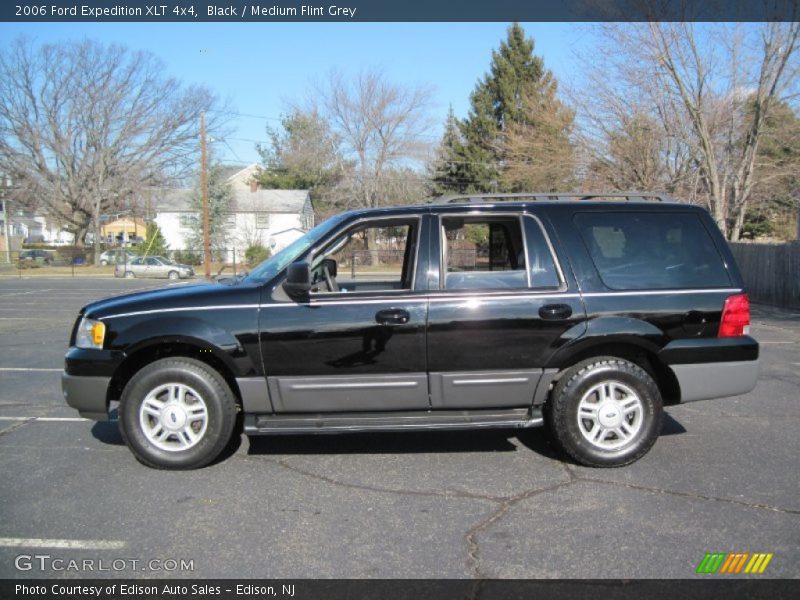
153,266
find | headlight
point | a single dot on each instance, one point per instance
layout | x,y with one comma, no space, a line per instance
90,334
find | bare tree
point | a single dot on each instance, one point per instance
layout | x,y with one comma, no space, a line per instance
84,126
382,128
711,93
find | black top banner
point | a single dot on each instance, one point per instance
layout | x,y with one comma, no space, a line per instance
399,10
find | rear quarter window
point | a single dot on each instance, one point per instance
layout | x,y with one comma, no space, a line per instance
659,250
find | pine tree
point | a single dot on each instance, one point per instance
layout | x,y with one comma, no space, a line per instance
155,244
507,101
446,169
220,196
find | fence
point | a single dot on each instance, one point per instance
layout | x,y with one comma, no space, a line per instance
771,272
72,261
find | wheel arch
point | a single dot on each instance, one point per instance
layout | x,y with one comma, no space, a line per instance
641,352
155,349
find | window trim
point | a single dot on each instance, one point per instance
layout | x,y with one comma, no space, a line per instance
520,215
313,252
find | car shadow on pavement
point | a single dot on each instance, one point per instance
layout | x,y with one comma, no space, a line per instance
417,442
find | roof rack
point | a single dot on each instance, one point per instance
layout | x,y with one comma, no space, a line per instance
539,196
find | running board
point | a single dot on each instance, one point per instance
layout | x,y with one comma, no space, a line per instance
391,421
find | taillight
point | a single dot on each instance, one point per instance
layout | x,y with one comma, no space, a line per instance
735,316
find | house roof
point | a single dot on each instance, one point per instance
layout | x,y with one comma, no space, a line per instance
288,201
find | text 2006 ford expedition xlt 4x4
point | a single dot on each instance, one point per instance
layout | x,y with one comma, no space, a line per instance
577,312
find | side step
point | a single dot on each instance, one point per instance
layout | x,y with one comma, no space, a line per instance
391,421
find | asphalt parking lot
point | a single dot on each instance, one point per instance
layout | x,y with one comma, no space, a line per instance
722,478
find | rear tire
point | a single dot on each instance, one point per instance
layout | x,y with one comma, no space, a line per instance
130,275
605,412
177,413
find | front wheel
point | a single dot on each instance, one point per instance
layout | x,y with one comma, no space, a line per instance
173,275
177,413
605,412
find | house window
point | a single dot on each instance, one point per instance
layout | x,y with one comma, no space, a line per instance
262,220
187,221
230,221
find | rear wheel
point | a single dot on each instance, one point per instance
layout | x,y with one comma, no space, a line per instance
104,262
605,412
177,413
130,275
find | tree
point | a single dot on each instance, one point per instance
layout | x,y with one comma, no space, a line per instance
446,169
515,124
537,150
84,125
220,197
155,244
381,127
712,88
302,155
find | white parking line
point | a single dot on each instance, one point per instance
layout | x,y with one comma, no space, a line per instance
27,369
777,342
23,293
47,419
69,544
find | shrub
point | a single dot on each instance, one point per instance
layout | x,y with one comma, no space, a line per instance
256,253
187,257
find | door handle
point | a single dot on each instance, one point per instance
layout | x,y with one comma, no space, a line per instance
555,312
392,316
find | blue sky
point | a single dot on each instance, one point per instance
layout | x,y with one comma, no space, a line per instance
258,67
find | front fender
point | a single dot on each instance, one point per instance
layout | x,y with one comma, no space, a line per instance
134,336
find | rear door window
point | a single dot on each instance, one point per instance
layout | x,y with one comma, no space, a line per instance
634,250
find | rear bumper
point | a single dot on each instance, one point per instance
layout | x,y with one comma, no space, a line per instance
708,368
87,395
704,381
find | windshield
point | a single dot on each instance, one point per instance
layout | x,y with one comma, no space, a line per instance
277,263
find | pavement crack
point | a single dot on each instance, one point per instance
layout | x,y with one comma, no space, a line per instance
471,540
371,488
16,426
645,488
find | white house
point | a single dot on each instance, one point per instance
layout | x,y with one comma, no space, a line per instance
273,218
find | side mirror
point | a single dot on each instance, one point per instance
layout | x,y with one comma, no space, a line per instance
298,280
330,265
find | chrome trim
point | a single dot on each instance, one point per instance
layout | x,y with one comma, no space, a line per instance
354,386
436,297
562,278
179,309
491,381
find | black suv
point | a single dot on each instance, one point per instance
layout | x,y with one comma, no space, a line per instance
575,311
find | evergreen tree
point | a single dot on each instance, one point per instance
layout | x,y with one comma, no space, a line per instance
447,168
220,196
155,244
510,100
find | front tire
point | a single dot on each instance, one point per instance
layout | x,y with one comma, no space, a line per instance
173,275
177,413
605,412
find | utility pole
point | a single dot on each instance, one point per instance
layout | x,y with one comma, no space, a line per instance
204,188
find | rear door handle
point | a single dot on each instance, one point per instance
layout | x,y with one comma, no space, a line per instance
555,312
392,316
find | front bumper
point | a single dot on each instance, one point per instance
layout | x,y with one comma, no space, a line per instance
87,395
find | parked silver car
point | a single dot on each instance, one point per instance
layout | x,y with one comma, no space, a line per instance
110,257
153,266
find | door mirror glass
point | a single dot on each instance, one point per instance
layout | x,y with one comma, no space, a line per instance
298,280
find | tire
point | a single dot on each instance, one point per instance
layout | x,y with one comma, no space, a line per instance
615,396
130,275
173,275
153,420
104,263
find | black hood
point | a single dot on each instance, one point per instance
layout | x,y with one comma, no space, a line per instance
184,296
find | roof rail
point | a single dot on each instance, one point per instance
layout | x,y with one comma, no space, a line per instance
539,196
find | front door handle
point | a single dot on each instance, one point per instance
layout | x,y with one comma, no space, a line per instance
555,312
392,316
